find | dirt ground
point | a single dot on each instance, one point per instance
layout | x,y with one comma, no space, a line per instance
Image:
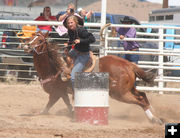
21,103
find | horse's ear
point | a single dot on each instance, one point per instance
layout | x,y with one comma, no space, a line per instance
46,34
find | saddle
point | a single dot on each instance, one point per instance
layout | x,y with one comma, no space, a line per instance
68,65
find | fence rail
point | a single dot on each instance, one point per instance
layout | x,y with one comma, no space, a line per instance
164,68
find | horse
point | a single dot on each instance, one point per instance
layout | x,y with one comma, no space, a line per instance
48,66
122,76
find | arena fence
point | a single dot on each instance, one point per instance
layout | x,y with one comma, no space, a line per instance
167,63
16,65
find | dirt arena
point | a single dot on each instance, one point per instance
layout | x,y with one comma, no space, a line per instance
20,104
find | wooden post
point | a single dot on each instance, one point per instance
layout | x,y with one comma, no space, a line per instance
165,4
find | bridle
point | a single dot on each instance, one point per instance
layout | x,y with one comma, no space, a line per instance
37,45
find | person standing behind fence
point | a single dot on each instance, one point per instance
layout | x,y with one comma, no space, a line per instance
61,30
129,45
81,39
84,14
45,16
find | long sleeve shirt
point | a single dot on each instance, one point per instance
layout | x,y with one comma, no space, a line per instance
128,33
85,39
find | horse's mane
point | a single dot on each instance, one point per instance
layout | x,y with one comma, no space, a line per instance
54,56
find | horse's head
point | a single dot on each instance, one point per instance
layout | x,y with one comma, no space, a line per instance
37,43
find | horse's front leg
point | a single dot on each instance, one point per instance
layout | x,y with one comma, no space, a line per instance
53,98
67,102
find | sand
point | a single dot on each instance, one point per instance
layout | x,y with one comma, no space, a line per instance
20,105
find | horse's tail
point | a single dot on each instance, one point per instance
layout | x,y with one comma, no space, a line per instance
141,74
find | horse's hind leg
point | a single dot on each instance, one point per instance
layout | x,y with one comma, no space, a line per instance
144,103
140,99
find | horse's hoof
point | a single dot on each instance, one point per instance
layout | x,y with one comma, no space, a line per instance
71,114
73,119
161,121
157,121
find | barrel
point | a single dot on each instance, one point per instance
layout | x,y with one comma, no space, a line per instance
91,98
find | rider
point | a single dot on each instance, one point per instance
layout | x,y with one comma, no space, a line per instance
81,39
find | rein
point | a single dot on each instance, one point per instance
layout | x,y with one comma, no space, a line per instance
53,77
39,53
66,46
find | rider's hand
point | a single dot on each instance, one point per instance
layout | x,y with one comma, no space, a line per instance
76,41
65,44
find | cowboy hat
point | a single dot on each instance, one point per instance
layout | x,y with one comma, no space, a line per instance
126,19
80,20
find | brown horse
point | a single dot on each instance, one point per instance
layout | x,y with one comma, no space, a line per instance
122,76
48,66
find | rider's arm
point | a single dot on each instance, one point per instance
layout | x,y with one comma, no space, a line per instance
87,37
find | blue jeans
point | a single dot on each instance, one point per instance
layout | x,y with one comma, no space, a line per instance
80,61
132,57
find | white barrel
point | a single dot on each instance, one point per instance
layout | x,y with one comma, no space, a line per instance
91,98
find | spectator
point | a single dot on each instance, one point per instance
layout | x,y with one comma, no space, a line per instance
70,11
80,38
84,14
129,45
62,31
45,16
